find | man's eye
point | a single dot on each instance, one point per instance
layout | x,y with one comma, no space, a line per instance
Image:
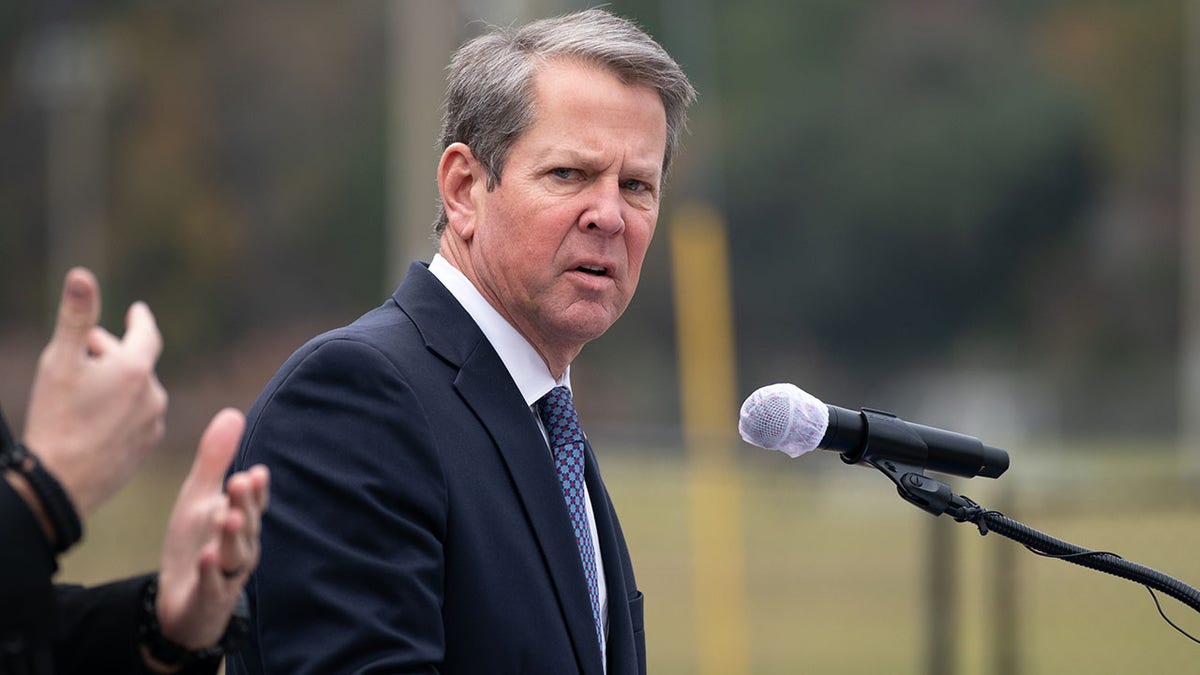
635,185
562,172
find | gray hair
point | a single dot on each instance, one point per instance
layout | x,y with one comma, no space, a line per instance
489,93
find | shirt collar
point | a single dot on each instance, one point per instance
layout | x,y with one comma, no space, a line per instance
524,364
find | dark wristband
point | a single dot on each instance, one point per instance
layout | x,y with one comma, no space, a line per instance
55,502
168,653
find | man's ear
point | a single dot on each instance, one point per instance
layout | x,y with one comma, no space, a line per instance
460,178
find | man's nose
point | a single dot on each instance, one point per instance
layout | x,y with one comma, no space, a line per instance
604,212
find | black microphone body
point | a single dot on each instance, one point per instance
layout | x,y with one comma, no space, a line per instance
874,436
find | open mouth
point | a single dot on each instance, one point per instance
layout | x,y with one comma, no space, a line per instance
594,271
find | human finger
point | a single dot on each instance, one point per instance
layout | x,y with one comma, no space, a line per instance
260,481
237,548
78,309
141,332
235,533
218,444
244,499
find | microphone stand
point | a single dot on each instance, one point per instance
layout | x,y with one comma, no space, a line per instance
935,497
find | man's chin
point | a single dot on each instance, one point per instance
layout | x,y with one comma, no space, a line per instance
585,321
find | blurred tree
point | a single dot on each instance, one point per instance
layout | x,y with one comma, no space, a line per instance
899,179
249,183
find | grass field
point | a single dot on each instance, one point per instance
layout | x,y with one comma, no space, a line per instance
836,563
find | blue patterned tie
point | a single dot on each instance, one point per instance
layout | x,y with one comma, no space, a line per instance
566,439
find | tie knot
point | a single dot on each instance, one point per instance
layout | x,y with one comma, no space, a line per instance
558,414
555,399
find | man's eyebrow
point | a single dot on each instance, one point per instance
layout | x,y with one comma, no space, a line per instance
569,156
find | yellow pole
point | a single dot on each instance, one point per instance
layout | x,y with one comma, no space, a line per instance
703,309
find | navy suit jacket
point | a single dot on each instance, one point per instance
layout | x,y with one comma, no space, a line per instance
416,523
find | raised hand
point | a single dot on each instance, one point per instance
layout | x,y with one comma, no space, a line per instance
96,407
212,542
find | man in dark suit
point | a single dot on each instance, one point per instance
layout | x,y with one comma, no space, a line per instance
436,507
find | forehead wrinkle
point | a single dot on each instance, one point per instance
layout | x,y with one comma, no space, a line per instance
584,146
574,156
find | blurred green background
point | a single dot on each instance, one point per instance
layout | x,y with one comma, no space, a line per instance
978,215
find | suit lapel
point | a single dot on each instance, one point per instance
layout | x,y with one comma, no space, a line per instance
487,388
503,411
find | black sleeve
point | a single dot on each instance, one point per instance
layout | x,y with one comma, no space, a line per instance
26,566
62,629
97,628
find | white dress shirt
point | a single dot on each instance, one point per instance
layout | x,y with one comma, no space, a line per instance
532,377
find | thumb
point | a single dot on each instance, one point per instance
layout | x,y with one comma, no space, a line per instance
78,310
217,447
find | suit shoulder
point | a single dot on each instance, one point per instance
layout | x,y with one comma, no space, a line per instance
372,356
385,330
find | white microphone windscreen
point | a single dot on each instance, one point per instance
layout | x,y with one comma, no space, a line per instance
783,417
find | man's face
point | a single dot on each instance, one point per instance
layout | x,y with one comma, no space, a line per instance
558,245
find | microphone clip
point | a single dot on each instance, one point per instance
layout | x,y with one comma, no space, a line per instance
900,453
927,494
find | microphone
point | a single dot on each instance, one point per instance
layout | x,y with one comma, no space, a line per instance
786,418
